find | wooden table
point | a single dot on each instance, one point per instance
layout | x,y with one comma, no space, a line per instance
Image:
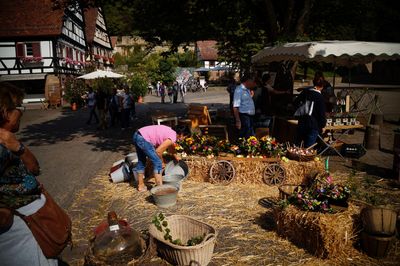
345,130
159,118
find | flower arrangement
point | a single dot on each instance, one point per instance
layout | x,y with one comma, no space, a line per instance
321,195
33,59
211,146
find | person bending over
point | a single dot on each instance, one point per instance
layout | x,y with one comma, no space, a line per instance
151,142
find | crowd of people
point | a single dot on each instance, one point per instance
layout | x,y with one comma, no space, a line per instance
173,91
120,106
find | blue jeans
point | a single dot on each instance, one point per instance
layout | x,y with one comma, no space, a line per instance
308,136
145,149
246,129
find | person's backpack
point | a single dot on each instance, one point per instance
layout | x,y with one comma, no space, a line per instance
305,107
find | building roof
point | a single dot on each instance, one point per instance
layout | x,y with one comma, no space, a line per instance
114,40
207,50
90,23
29,18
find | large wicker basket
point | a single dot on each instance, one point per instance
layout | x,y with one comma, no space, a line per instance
184,228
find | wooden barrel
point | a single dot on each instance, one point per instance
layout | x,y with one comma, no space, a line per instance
376,246
372,137
379,220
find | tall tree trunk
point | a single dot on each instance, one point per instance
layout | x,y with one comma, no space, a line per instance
271,21
303,17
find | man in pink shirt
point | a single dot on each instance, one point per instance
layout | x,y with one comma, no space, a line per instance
152,141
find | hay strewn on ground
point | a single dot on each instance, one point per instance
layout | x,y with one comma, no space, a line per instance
251,172
240,212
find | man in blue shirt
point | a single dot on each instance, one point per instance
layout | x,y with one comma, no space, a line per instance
243,106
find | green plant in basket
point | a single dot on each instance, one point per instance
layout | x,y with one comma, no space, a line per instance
161,224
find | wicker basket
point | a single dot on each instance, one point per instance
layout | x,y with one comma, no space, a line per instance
285,191
301,158
184,228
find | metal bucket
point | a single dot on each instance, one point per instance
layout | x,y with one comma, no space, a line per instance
173,180
164,196
181,168
174,174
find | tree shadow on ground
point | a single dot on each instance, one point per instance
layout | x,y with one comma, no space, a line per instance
71,125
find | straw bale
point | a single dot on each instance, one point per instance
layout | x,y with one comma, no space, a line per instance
324,235
298,172
251,171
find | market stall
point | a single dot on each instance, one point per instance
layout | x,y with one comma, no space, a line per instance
338,53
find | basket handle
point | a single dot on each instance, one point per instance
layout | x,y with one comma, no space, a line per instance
207,237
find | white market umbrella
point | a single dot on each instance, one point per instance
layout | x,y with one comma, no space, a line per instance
344,53
101,74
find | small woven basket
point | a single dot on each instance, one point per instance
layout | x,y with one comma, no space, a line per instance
184,228
301,158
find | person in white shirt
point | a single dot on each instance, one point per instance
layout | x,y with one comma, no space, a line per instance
91,102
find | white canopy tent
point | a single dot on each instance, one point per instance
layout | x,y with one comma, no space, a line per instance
338,53
101,74
343,53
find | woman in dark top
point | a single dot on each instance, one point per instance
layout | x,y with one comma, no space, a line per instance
311,125
19,188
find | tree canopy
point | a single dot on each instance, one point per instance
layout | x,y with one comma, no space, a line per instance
243,27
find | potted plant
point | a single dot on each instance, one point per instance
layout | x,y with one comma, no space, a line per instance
73,91
138,84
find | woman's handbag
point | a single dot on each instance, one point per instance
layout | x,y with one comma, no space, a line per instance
50,225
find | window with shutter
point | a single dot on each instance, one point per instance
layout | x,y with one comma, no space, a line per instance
20,49
36,49
29,49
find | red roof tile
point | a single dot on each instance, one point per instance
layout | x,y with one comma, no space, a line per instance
22,18
208,50
90,24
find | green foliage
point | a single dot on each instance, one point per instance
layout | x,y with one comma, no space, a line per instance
74,90
162,225
138,83
119,17
186,59
103,84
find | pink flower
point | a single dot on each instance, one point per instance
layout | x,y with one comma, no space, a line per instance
329,179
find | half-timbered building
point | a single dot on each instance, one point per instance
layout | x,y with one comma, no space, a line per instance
99,48
40,46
